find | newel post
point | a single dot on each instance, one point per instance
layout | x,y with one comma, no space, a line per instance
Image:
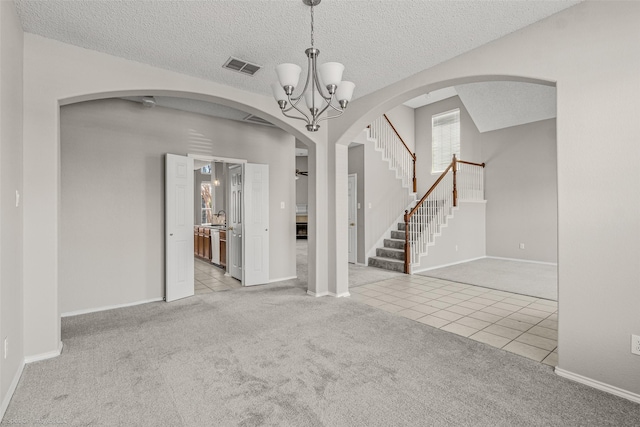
455,187
407,252
415,181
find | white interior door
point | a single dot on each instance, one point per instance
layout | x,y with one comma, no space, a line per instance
178,227
353,218
256,224
234,223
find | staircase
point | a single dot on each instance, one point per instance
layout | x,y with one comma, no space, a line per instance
391,255
425,219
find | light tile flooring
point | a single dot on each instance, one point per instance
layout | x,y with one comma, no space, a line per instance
209,278
519,324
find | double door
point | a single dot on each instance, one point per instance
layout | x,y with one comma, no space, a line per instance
248,247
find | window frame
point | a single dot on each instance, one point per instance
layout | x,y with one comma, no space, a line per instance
441,164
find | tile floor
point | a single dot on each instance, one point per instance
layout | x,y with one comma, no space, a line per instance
209,278
519,324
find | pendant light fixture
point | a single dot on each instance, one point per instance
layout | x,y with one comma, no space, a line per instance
323,86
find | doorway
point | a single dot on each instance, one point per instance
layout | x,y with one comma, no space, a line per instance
353,217
245,228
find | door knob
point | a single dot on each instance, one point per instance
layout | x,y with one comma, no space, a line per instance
230,228
352,224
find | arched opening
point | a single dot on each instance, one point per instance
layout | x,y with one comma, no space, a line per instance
521,207
196,137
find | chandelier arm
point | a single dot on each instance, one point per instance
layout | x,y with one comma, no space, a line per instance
306,83
292,103
340,112
305,119
320,88
325,107
295,107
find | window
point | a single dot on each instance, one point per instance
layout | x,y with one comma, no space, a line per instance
206,203
445,139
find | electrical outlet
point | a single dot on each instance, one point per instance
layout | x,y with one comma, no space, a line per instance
456,248
635,344
281,205
521,245
6,347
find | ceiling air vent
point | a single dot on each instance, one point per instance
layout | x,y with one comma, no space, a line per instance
257,120
241,66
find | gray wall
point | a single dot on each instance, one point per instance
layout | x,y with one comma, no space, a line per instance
470,147
403,119
521,188
112,200
11,169
302,183
520,180
356,166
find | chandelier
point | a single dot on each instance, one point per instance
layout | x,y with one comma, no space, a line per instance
323,86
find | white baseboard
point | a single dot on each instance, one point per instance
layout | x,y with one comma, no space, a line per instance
446,265
523,260
342,295
281,279
44,356
599,385
109,307
11,390
319,294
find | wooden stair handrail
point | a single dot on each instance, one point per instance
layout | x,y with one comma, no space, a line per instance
398,135
413,156
408,214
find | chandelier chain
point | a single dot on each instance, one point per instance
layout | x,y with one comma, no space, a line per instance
312,23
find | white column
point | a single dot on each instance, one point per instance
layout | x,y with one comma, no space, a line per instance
339,218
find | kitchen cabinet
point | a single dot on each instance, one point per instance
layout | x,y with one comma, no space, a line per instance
202,242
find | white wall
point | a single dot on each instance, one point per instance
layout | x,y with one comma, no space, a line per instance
521,189
112,180
462,239
385,199
590,52
11,285
403,119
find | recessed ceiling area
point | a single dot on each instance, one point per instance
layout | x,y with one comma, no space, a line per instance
498,104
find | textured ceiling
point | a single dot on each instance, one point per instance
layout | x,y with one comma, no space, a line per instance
380,42
497,105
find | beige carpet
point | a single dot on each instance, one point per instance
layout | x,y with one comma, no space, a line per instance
524,278
273,356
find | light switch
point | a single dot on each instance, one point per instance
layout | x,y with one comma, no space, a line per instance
281,205
358,205
17,198
369,205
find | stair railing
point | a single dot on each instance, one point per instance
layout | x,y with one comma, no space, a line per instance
460,180
389,141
